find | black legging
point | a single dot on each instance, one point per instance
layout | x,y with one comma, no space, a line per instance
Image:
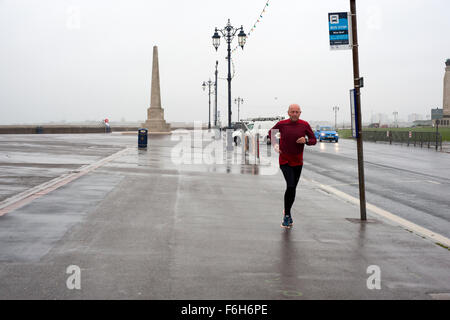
292,176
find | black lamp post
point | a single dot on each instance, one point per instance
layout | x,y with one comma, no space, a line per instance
228,33
208,85
215,96
335,109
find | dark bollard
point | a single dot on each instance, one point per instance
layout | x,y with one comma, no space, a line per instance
142,138
437,134
257,148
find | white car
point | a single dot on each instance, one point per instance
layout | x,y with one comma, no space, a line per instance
237,134
261,127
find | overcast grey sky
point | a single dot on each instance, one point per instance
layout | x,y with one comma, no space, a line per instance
91,59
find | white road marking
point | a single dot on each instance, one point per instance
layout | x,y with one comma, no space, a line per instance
343,184
386,214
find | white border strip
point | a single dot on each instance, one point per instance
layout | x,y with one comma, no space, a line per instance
386,214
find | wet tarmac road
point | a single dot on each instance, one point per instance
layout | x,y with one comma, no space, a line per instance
142,226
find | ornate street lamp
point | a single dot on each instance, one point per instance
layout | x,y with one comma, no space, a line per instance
228,33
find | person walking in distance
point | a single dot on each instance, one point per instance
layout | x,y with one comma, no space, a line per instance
294,134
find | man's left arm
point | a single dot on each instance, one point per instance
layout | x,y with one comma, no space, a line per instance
311,137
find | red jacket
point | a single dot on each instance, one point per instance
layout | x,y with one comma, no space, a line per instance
291,152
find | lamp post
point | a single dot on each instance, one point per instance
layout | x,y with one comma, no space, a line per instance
208,85
335,109
215,97
238,100
228,33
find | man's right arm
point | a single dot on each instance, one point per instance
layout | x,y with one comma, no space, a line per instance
275,128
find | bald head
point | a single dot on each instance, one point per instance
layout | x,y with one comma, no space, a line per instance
294,106
294,112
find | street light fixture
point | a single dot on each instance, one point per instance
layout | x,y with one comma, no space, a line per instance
208,85
216,40
242,37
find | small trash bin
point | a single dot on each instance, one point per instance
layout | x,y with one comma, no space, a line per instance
39,129
142,138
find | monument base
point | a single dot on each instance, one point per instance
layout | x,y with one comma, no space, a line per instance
157,126
155,122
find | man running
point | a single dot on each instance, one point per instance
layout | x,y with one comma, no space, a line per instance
294,134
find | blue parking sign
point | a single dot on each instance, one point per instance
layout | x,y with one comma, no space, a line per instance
340,31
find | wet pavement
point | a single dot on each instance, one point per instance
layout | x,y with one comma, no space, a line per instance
144,225
29,160
413,183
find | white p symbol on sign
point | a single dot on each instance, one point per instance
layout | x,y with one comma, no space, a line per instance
374,281
74,281
73,19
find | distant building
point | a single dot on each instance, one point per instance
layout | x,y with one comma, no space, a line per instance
436,114
380,118
424,123
414,117
384,118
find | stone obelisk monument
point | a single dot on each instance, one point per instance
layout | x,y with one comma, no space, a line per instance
446,104
155,114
